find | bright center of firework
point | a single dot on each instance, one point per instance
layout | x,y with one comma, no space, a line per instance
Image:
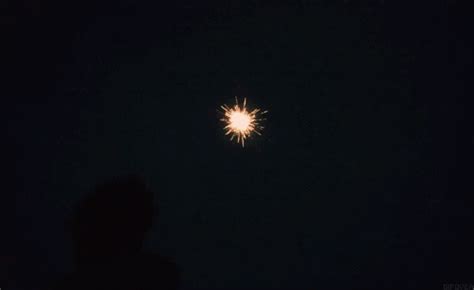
240,122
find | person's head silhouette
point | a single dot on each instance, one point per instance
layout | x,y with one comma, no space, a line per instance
108,229
112,221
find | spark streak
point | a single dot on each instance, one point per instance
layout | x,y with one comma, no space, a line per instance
241,122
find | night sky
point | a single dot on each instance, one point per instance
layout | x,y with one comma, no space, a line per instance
360,179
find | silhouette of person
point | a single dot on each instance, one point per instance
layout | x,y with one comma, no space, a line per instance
108,228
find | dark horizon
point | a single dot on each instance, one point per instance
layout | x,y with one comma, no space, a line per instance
361,176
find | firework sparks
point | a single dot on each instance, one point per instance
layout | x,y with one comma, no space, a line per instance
240,122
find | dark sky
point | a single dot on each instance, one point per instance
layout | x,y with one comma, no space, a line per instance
359,180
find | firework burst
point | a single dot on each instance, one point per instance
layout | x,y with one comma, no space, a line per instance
242,122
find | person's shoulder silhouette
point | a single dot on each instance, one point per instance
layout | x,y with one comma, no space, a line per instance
108,228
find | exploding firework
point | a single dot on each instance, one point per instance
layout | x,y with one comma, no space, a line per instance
241,122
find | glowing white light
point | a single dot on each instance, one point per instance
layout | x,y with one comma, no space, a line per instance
240,122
